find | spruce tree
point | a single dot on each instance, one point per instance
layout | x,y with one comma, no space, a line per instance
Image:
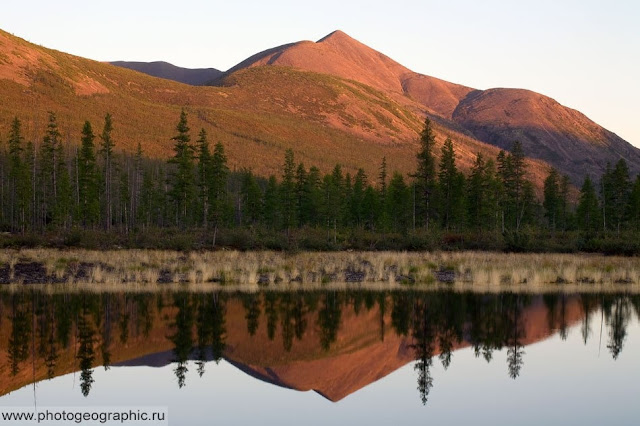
182,179
301,195
426,173
288,192
271,213
398,203
357,207
88,192
552,201
516,201
451,187
50,153
204,172
634,205
252,200
588,212
218,187
18,178
106,150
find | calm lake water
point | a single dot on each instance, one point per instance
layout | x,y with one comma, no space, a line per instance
339,357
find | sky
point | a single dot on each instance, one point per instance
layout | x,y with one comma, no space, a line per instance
583,53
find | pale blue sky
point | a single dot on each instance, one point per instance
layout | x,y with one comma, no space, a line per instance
585,54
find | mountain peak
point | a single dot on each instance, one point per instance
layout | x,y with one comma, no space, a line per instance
337,35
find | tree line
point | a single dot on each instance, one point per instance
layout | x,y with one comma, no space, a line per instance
54,186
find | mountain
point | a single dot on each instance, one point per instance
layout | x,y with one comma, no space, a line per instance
332,101
194,77
547,130
257,113
551,132
340,55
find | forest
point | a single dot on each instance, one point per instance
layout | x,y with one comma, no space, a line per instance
56,193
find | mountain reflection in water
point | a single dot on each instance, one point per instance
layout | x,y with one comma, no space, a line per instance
333,342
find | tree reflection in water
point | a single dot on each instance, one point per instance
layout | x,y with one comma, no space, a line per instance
195,327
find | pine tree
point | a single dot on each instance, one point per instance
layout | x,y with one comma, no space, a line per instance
18,178
516,202
271,212
382,184
451,186
218,187
88,193
124,199
356,200
398,203
619,198
288,192
333,190
552,201
426,174
106,150
479,195
301,194
50,153
182,179
63,208
252,208
312,201
204,172
588,212
634,205
565,215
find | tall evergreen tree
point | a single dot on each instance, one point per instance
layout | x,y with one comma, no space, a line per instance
426,173
271,212
517,194
552,202
382,185
218,187
588,211
288,192
398,203
618,187
88,193
481,194
300,191
182,181
204,173
251,199
634,205
356,201
50,153
451,187
106,150
19,184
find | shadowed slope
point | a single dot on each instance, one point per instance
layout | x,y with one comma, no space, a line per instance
194,77
549,131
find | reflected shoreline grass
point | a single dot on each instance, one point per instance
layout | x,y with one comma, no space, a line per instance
65,270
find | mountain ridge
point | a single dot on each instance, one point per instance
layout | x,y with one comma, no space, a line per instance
331,101
574,144
168,71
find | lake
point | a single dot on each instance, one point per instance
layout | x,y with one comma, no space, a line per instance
326,357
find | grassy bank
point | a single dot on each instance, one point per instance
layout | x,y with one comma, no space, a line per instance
482,271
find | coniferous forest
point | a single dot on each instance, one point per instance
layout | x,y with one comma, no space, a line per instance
58,193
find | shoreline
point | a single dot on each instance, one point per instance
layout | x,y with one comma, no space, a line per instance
268,270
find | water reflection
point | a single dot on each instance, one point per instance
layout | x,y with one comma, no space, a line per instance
335,342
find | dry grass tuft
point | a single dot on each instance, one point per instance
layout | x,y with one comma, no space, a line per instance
252,270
